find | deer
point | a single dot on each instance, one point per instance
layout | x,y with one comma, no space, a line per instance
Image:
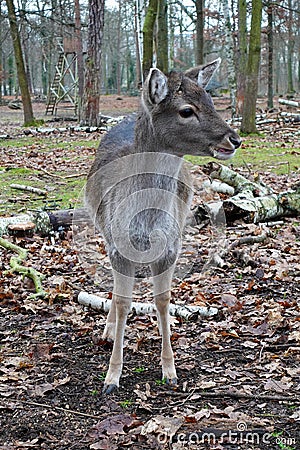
139,191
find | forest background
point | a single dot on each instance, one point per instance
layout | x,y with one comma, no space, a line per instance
259,43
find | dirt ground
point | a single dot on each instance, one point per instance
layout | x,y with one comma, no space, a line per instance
238,371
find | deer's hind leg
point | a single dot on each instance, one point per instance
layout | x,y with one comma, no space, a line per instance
122,296
162,294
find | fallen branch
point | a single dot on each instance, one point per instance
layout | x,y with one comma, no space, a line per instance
187,312
16,266
34,190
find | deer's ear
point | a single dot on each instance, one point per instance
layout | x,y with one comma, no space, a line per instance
156,87
202,75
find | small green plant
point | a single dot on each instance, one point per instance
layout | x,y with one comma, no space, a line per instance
102,376
139,369
125,404
161,382
239,276
94,392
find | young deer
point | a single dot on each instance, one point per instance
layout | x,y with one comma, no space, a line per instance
138,193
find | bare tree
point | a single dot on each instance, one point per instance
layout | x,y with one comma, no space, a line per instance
148,29
22,78
270,54
162,41
92,85
229,46
200,31
251,90
242,54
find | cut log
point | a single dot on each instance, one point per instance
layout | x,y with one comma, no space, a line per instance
253,201
259,209
45,221
283,101
21,229
187,312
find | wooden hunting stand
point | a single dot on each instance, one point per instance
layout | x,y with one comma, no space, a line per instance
64,87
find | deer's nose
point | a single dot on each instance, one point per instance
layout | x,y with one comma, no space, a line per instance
235,140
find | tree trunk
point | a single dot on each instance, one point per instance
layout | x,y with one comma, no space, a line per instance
162,37
27,106
249,113
148,35
139,77
119,63
229,46
79,53
1,57
290,50
270,54
200,31
92,87
242,55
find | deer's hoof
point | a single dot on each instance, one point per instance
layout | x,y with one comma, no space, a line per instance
109,388
172,382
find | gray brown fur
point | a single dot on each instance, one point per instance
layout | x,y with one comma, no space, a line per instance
139,193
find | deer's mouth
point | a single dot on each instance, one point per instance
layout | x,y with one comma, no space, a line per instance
226,149
223,153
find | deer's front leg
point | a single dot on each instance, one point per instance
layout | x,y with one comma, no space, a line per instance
122,305
116,322
162,302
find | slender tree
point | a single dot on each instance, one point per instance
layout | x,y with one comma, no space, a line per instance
148,35
242,55
229,45
249,113
79,53
92,85
270,54
162,41
290,49
199,31
22,78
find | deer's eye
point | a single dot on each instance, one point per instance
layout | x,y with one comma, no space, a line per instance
186,112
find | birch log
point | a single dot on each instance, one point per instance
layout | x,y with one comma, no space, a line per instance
254,202
258,209
234,179
283,101
187,312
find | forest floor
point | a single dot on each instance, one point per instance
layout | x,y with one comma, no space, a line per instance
238,371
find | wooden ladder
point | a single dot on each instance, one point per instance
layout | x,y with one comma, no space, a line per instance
54,92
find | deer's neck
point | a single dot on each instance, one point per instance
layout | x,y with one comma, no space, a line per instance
145,139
